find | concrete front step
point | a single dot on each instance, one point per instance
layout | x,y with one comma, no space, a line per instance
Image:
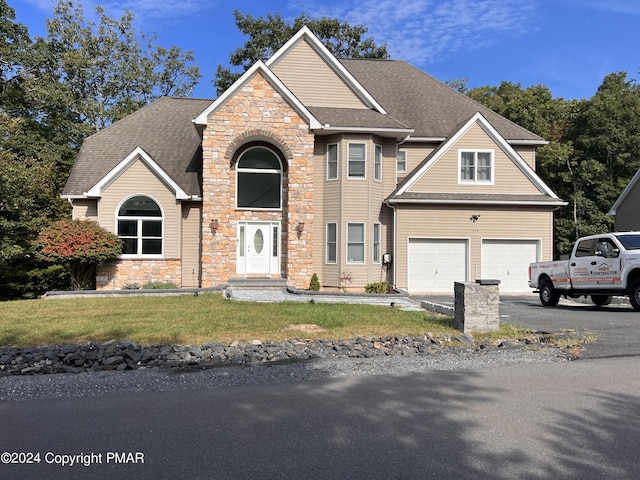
257,283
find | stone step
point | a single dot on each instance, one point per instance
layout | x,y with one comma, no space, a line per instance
257,283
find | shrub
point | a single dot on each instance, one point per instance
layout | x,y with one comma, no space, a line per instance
376,287
314,284
79,245
131,286
160,286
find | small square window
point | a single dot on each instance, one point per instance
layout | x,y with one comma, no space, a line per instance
476,166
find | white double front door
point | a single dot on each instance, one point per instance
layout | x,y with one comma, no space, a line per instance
258,251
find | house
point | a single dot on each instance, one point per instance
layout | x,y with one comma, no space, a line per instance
357,170
626,209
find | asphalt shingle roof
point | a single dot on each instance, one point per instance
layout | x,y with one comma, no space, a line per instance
419,101
164,129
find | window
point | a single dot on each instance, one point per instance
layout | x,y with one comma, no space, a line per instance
476,166
376,243
140,226
332,243
401,162
259,179
585,248
355,242
332,161
357,160
377,164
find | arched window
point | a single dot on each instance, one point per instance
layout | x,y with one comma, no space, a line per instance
259,179
140,226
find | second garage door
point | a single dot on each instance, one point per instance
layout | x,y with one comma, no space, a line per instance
435,264
508,261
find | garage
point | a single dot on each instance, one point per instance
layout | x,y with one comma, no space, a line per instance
435,264
508,261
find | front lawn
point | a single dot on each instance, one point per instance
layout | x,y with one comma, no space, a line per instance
196,320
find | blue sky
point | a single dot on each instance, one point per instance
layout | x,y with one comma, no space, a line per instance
567,45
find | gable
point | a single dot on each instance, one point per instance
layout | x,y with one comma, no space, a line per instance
137,156
443,174
437,177
313,80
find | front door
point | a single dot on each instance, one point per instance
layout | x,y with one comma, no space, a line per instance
258,249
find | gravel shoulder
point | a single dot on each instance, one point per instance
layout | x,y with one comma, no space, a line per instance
102,383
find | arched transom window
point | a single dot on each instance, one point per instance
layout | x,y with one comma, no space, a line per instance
259,179
140,226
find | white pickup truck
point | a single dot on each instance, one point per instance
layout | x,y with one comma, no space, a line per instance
600,266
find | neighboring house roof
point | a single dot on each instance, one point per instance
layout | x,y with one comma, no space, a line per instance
628,189
163,129
425,104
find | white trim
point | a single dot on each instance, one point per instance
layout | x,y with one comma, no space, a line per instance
364,244
498,139
475,202
318,46
259,67
337,145
630,186
139,220
398,133
349,177
373,243
377,148
336,242
258,170
475,181
118,170
404,152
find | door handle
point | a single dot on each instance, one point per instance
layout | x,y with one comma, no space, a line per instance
594,263
573,264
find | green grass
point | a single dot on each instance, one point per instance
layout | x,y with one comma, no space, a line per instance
197,320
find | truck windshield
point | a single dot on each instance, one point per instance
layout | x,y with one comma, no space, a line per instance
629,242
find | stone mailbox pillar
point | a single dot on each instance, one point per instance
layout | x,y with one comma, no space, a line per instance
476,306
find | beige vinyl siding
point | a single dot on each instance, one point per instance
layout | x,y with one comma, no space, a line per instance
140,180
450,222
442,177
191,215
416,153
313,81
528,153
628,213
85,209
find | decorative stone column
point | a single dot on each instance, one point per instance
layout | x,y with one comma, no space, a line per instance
477,306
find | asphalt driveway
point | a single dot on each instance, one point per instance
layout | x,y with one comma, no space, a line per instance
616,327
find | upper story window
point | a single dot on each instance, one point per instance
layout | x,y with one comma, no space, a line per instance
332,161
401,162
357,162
377,163
140,223
259,179
476,166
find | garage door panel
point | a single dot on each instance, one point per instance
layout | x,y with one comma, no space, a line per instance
508,261
435,264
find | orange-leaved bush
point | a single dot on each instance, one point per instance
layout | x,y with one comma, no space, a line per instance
80,245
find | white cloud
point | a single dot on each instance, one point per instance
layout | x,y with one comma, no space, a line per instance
425,30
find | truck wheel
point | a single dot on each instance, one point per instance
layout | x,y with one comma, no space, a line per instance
634,295
601,300
549,297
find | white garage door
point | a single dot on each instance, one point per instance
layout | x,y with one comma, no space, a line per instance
508,261
435,264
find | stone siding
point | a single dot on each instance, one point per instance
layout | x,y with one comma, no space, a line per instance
257,113
115,275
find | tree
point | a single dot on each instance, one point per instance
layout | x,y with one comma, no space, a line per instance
267,35
79,245
109,68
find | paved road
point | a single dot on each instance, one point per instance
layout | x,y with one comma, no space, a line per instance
615,327
567,420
